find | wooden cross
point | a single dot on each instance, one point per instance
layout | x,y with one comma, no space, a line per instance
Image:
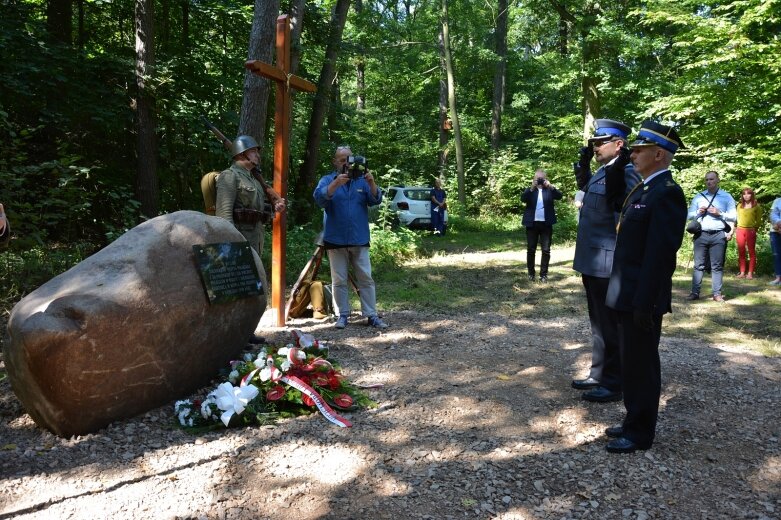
285,81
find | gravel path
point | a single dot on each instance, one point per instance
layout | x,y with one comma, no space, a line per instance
476,420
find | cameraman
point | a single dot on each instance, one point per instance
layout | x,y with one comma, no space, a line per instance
538,218
346,194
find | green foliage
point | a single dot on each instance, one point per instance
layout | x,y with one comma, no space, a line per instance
68,144
391,247
24,271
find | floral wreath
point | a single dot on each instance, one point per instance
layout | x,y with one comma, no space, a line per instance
260,397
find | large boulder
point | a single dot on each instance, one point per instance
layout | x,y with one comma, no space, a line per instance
126,330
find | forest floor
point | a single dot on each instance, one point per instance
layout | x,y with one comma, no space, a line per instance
476,420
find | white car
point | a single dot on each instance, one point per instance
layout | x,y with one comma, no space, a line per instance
412,205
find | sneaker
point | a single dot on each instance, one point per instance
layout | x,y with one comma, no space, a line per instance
543,278
775,282
741,275
750,276
718,298
341,322
693,296
376,322
531,277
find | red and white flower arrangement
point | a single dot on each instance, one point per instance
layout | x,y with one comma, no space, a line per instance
272,383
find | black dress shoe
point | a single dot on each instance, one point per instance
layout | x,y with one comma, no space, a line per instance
601,394
584,384
624,445
614,432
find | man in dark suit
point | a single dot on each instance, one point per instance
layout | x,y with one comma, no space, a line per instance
649,234
538,218
594,256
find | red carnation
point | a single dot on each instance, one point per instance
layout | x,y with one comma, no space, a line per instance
308,401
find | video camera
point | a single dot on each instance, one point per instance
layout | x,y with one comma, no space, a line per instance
356,166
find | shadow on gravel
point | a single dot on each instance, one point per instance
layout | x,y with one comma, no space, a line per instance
477,419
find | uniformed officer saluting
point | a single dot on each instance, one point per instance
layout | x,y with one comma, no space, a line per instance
594,256
649,234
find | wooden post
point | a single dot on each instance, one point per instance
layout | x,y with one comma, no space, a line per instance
284,82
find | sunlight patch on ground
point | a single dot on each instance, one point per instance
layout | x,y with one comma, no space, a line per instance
336,464
573,346
768,477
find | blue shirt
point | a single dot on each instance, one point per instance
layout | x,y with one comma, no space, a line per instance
723,202
775,214
346,221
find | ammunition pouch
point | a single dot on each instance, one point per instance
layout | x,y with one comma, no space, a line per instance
252,216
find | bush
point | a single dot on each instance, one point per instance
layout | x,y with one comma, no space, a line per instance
392,246
23,272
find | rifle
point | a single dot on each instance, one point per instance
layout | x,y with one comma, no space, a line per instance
227,143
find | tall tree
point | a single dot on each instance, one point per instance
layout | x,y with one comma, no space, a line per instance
59,20
444,123
147,188
451,90
322,98
360,66
499,74
589,80
297,9
254,104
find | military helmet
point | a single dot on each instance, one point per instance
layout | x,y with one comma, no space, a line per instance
243,143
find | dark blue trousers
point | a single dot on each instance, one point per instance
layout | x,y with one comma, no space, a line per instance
605,349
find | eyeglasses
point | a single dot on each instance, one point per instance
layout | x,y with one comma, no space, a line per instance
599,144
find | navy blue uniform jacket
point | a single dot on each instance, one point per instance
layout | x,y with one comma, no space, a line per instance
529,197
651,232
597,225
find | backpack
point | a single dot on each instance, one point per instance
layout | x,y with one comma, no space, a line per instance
310,293
209,191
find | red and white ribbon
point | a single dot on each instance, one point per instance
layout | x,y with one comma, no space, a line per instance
326,410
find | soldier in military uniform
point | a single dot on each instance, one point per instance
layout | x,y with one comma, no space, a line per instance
594,256
649,234
242,195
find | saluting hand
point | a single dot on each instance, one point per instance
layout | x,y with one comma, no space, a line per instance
586,154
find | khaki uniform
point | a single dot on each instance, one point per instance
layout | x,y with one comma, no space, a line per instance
238,189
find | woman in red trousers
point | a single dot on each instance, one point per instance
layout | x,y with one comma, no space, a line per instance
749,220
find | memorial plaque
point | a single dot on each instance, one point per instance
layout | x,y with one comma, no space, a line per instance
228,271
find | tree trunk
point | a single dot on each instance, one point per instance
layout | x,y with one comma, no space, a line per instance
81,37
165,31
499,75
333,112
360,67
444,124
186,26
254,106
451,89
59,20
146,176
563,36
589,88
297,9
306,176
